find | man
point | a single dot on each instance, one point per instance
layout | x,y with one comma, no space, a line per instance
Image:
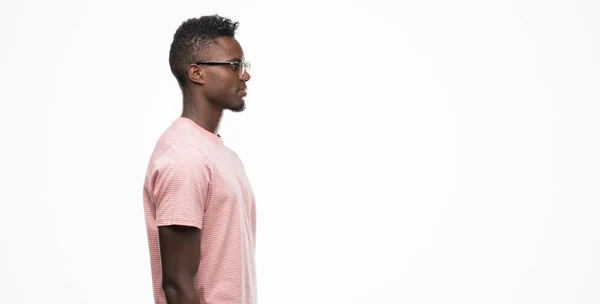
199,206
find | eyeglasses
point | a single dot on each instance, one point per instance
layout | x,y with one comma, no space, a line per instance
240,66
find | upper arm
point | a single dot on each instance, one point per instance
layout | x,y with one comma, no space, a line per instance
179,252
180,187
180,191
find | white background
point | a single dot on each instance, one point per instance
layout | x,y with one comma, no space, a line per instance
401,152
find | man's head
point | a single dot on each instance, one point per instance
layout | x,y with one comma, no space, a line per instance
206,58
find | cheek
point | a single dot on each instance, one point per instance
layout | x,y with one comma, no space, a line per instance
222,84
217,83
227,83
220,80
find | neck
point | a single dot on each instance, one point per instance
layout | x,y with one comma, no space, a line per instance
201,112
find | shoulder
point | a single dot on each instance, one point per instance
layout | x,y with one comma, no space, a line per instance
183,155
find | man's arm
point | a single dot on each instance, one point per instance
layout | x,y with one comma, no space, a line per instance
180,257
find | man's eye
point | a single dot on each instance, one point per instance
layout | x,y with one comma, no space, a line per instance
234,67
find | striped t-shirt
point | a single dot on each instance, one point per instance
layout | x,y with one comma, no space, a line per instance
193,179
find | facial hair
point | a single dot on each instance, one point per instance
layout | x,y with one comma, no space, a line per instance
239,109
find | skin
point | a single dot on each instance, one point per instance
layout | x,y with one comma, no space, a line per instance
212,89
207,92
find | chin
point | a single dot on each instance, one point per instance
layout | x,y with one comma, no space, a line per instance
239,108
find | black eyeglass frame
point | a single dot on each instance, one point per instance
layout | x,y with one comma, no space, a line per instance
243,64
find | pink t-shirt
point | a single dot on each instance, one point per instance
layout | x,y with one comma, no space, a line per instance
193,179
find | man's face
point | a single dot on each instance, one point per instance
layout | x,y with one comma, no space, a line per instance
224,86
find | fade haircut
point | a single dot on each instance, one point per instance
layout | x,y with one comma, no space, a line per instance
193,40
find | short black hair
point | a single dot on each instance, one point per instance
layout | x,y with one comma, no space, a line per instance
193,39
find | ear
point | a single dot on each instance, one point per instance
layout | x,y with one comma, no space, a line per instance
195,74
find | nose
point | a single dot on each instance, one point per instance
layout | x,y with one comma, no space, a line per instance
245,76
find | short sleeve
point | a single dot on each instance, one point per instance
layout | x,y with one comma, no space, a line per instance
181,187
